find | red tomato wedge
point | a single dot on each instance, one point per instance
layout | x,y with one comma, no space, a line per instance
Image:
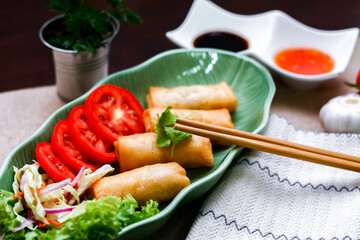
47,159
86,140
114,111
64,148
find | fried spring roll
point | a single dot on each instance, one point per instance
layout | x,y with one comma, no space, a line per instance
220,117
205,97
159,182
138,150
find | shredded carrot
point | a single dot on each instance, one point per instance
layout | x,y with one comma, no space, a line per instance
52,222
42,187
18,194
20,173
41,224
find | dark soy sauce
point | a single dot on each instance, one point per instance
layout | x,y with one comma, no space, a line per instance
221,40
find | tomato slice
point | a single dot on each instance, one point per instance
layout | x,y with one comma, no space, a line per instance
114,111
47,159
86,140
64,148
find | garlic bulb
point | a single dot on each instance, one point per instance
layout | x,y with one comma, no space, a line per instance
342,114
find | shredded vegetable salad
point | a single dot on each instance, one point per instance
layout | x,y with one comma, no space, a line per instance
48,202
41,209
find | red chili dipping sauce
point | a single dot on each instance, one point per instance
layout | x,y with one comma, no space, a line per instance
307,61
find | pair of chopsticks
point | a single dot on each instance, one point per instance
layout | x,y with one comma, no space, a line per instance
270,145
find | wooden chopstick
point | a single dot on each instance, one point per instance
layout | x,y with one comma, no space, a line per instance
271,145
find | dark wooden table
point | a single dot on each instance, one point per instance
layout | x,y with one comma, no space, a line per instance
26,62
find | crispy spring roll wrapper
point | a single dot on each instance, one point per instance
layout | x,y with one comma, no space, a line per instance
205,97
160,182
219,117
138,150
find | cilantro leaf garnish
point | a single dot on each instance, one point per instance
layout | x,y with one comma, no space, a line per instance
176,137
162,140
167,117
166,134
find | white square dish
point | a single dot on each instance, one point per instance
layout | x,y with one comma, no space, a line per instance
267,34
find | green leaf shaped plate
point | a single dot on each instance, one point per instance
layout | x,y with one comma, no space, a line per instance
252,85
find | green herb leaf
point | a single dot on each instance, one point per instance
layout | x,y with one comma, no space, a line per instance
166,134
162,139
167,117
86,27
175,137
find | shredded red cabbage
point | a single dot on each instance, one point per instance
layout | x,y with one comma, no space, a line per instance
58,210
55,186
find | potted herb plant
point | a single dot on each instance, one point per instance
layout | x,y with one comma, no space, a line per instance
80,39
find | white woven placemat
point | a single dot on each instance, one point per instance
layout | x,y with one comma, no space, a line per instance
265,196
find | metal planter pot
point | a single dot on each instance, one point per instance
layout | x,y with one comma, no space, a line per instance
76,72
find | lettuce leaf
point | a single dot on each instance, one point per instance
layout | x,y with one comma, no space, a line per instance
8,219
103,219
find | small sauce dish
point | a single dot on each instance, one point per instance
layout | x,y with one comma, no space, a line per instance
267,34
